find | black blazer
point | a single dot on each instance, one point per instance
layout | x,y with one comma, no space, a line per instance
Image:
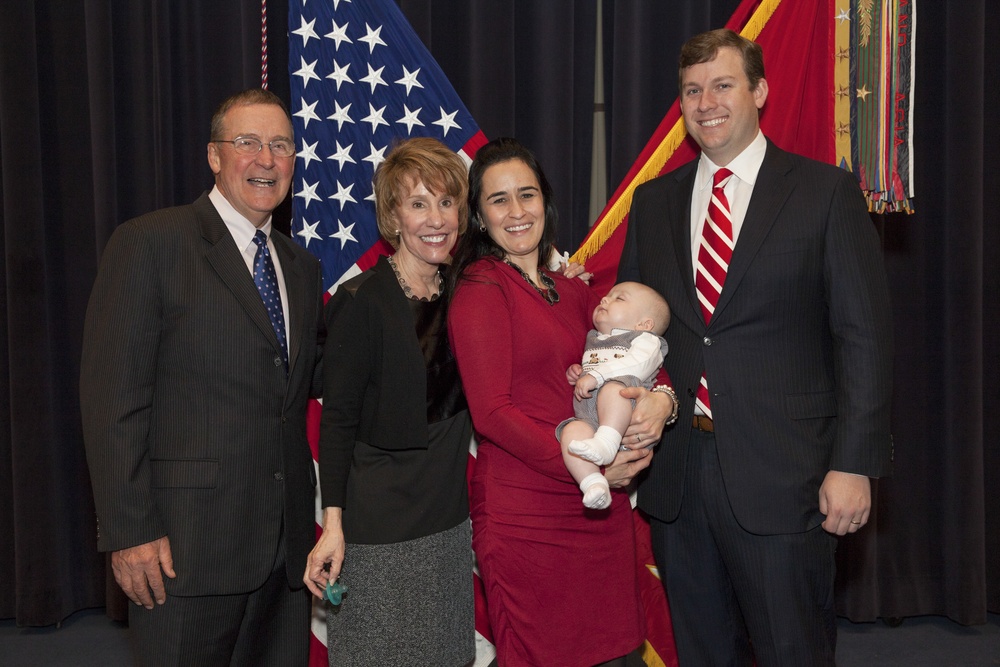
798,353
192,428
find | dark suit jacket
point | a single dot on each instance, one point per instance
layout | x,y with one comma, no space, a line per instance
798,353
192,428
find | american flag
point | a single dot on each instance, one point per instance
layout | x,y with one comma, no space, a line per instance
360,79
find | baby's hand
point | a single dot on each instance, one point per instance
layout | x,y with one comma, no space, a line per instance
573,373
584,385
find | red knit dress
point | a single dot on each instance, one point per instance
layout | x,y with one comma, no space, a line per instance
560,579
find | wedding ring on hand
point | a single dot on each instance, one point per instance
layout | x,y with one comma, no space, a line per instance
856,523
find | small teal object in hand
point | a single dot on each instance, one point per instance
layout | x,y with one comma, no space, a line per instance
335,592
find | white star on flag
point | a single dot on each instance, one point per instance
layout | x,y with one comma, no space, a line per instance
308,152
375,117
409,79
306,31
374,78
447,121
339,74
344,234
376,157
342,155
307,72
338,35
372,38
308,232
344,194
410,119
307,112
308,192
341,115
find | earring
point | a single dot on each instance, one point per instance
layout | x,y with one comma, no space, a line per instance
482,225
398,232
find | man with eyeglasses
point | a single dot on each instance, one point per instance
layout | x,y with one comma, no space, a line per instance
201,349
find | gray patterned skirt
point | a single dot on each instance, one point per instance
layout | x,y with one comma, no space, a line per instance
408,603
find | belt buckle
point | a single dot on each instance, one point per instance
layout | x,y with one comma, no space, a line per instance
703,424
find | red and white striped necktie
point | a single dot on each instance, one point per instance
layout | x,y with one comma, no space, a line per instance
713,262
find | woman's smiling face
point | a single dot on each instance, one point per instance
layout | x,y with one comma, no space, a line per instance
513,210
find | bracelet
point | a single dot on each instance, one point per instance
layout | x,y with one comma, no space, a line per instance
669,391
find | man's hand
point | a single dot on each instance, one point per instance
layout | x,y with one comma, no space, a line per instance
648,417
137,571
846,500
627,464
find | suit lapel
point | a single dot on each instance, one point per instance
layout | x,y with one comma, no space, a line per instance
770,192
296,290
229,264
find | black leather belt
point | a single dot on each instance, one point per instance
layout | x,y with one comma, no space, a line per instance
703,423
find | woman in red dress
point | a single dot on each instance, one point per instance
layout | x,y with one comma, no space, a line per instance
560,580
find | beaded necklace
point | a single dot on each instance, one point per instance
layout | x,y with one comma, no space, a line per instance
548,292
407,290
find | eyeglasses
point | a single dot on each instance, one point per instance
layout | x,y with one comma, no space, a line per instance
251,146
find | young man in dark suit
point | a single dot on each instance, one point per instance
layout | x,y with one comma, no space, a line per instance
200,352
780,351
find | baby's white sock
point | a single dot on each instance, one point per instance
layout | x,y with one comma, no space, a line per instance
596,492
600,449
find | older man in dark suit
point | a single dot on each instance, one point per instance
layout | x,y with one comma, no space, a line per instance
780,348
200,353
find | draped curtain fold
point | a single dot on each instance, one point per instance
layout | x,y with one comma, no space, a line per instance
104,110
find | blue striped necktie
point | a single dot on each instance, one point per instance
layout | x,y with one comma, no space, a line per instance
266,280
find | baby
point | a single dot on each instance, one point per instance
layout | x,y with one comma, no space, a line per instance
626,348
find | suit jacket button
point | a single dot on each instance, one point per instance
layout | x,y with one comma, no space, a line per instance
278,361
706,341
279,476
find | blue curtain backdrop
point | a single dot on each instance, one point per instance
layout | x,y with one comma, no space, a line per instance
104,110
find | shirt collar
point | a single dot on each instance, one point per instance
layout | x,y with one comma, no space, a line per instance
615,331
241,229
744,166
